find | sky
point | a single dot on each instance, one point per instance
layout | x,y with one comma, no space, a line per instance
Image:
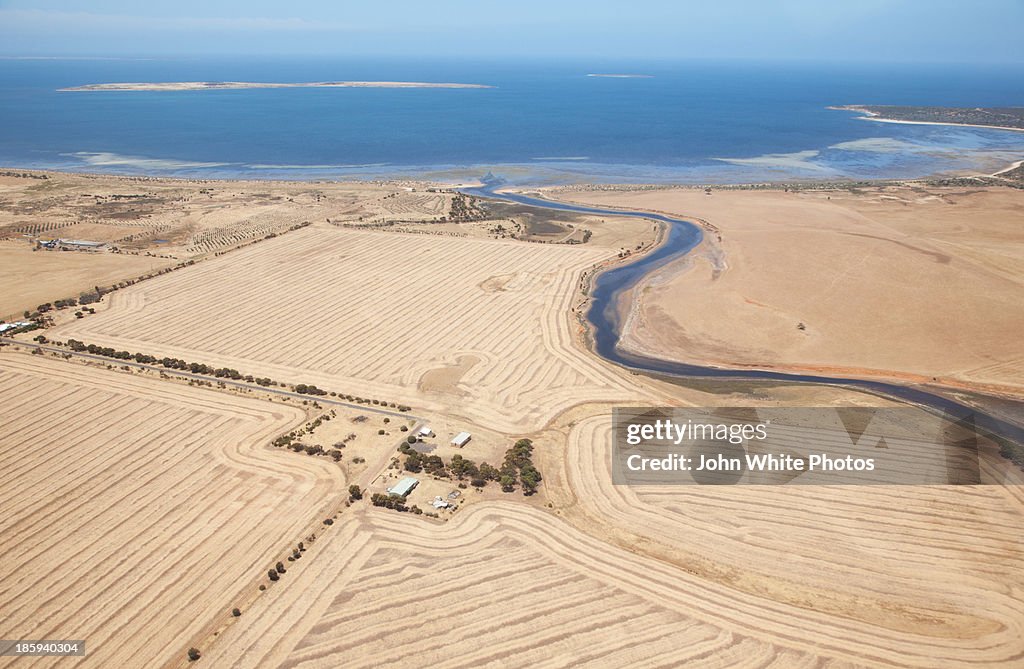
803,30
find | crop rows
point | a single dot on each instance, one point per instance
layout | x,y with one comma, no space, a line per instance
136,510
375,312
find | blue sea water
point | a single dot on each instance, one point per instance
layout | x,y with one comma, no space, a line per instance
542,122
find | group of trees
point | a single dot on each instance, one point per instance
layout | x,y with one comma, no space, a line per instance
517,469
169,363
395,502
219,372
464,209
518,460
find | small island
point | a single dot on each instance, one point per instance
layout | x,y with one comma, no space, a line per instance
237,85
1006,118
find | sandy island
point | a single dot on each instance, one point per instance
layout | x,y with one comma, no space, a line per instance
237,85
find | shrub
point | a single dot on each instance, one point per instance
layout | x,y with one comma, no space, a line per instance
280,568
193,654
236,612
272,575
354,492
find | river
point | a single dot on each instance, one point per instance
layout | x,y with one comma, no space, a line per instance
682,237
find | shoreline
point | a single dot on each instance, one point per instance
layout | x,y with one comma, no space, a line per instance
868,115
1012,167
547,189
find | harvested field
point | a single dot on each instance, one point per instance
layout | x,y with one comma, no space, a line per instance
136,511
31,278
503,586
509,586
935,580
375,314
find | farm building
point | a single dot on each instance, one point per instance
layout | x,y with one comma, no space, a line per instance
4,327
80,245
461,439
425,431
404,487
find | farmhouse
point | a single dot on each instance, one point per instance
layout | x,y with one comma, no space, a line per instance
404,487
425,431
461,439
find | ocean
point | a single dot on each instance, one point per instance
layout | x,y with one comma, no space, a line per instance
541,123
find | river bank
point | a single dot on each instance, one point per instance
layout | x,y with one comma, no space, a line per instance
605,315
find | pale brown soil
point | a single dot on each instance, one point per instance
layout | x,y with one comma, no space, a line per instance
31,278
374,313
902,282
480,334
136,511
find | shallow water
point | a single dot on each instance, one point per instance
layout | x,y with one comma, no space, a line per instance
543,122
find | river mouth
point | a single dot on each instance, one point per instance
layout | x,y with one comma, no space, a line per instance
611,286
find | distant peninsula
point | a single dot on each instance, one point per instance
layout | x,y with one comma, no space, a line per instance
623,76
1005,118
236,85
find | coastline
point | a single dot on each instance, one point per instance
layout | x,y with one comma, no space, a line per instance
869,115
956,125
1014,165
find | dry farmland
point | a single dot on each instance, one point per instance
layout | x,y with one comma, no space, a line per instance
31,278
381,315
937,579
505,586
135,511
